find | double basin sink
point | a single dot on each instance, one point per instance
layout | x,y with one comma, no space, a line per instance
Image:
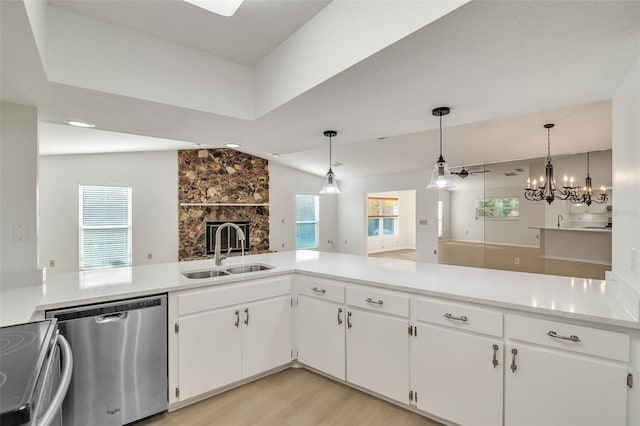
231,270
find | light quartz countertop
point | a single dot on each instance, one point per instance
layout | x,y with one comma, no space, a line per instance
603,302
571,228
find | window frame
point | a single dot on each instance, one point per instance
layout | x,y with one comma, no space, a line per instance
381,217
316,221
494,216
82,227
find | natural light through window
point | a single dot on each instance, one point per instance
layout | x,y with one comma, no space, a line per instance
307,221
105,226
506,208
219,7
382,217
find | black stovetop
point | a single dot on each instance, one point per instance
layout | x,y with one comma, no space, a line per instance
23,350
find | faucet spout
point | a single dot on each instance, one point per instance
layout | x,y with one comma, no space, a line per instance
559,217
219,257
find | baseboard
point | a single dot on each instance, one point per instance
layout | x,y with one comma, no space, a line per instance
574,259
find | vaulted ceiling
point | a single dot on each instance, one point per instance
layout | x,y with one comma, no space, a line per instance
277,74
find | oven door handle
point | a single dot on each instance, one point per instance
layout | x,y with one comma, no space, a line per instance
65,380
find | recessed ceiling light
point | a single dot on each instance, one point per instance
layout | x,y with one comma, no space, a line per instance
80,124
232,145
219,7
276,155
336,164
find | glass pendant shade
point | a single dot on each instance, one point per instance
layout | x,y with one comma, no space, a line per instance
330,186
441,176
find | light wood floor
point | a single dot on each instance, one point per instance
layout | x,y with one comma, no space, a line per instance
294,397
496,256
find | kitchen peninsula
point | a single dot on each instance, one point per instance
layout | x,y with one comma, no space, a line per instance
329,312
592,245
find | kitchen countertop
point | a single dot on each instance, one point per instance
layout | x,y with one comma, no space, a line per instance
571,228
575,298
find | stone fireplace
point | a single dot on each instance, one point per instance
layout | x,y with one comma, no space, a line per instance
217,186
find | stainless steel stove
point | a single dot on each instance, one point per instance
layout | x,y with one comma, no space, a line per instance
32,385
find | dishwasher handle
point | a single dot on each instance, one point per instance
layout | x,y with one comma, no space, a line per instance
111,317
65,380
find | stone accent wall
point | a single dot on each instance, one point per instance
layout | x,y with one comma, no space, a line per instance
221,176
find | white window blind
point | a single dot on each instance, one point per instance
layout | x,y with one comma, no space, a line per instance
105,226
306,221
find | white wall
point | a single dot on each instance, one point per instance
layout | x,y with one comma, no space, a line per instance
19,194
284,184
445,197
626,177
406,232
352,226
465,226
153,177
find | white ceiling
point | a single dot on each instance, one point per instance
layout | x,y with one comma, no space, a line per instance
505,68
246,37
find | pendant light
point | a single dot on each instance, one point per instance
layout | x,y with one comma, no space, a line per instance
330,186
548,191
588,196
441,176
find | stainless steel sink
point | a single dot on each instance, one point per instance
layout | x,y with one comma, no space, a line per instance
240,269
211,273
248,268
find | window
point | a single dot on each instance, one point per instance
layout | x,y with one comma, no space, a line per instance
498,208
382,217
105,226
306,221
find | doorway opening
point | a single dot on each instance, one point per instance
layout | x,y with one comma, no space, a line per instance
391,224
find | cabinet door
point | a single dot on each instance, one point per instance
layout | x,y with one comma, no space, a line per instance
455,378
209,352
266,335
557,388
320,335
378,354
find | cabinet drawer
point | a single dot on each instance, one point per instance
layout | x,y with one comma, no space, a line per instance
198,300
320,288
460,316
379,300
586,340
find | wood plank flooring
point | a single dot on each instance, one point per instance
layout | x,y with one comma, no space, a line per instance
497,256
294,397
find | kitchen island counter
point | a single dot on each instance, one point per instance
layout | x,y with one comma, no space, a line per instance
605,302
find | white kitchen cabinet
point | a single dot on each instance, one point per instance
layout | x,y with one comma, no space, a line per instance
378,353
209,352
320,334
549,387
226,334
266,335
457,376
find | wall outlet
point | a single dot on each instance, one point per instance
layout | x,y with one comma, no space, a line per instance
282,245
517,260
20,232
149,256
424,222
52,263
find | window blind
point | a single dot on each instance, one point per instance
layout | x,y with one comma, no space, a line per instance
105,226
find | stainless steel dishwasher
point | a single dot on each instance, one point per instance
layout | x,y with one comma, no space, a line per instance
120,361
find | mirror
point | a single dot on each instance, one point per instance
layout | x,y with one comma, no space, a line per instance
488,223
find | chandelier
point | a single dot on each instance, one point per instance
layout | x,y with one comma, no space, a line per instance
587,197
546,189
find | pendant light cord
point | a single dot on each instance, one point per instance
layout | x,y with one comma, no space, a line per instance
440,159
587,164
330,153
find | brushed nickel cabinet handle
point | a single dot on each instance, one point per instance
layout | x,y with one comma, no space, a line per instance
373,302
514,367
339,319
495,356
349,319
246,319
318,290
555,335
237,318
460,318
